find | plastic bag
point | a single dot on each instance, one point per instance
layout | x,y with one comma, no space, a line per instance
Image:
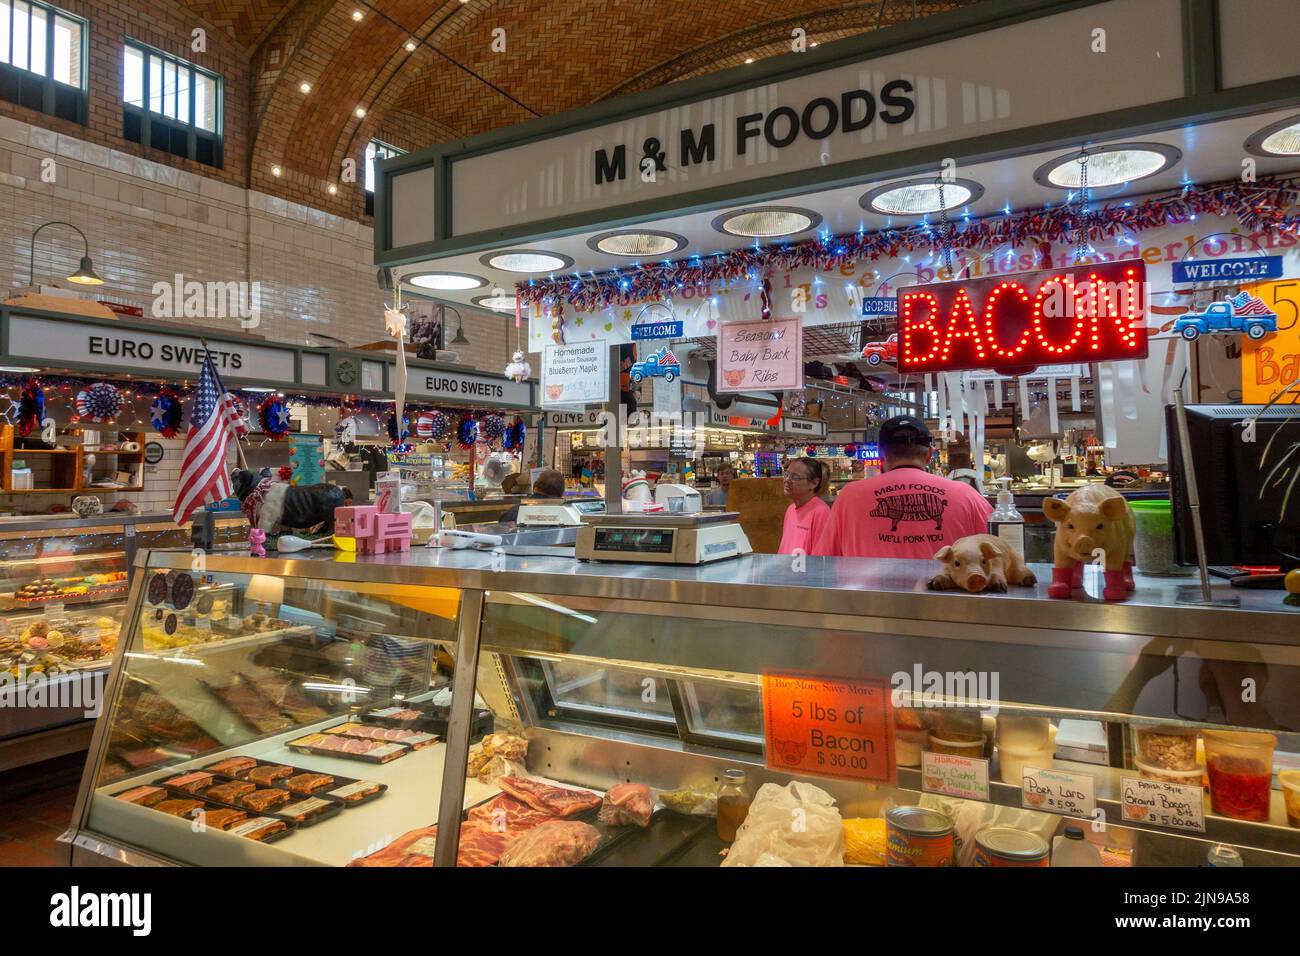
558,843
626,804
794,825
694,801
970,816
499,766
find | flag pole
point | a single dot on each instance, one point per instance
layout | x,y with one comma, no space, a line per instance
239,447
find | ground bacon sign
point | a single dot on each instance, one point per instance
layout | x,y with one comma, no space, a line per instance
1087,313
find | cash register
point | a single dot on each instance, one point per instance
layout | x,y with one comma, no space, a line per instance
662,538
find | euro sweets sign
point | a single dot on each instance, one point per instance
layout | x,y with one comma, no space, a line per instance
575,374
760,356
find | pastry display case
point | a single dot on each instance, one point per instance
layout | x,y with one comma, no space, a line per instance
539,710
63,588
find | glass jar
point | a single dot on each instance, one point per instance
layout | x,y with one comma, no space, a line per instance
733,803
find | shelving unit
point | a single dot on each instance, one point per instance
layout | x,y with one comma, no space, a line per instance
67,463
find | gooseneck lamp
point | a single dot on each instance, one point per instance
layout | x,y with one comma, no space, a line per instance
85,274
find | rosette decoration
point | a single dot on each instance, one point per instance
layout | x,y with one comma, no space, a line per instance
99,403
436,423
466,432
515,435
399,440
494,428
273,415
31,407
166,413
851,451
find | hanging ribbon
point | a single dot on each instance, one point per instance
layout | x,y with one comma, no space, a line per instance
997,393
1053,413
1126,389
1024,399
395,323
1076,397
765,298
1106,403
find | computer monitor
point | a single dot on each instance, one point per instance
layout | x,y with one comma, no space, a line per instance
1240,526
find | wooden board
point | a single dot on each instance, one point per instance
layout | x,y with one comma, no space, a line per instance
762,504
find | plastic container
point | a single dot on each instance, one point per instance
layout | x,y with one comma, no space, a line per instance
909,745
1071,849
1013,760
1006,522
957,723
1020,733
1290,780
1184,778
1166,747
957,748
1240,765
1221,855
1153,546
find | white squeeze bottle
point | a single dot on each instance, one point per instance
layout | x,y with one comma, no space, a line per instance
1073,850
1006,522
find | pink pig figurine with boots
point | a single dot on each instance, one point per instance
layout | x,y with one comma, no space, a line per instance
1095,516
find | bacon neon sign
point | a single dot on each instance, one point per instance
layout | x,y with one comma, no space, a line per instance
1090,313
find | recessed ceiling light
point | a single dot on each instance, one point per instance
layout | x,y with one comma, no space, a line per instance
767,222
304,87
635,243
410,46
526,260
360,112
332,189
498,303
920,197
276,170
446,281
814,43
749,59
1279,139
1108,165
357,15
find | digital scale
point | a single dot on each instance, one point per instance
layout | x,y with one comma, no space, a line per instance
557,512
662,538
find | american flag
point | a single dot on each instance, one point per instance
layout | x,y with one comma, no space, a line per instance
1247,304
204,478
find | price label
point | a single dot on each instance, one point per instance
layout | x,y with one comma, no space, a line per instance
1163,804
53,611
830,727
203,623
1057,791
966,777
89,634
234,622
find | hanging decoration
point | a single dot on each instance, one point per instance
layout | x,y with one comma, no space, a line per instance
397,440
285,473
345,429
494,428
513,439
273,415
100,402
31,407
1260,205
1084,247
166,413
439,423
518,369
466,432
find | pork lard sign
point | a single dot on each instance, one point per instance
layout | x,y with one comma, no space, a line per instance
1085,313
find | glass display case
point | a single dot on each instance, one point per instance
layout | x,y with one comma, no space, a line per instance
63,588
593,678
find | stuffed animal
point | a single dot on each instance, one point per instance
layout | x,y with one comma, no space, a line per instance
1093,517
981,562
276,506
257,542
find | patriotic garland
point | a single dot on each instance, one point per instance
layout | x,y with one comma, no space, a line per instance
166,413
466,432
1260,205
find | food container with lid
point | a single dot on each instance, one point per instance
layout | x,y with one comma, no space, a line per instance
908,746
1166,746
1184,778
1021,733
957,723
917,836
1007,846
1013,760
1240,767
1153,541
957,748
1290,780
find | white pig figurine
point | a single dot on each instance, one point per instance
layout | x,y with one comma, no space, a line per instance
1093,517
981,562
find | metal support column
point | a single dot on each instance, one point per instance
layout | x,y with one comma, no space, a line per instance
458,727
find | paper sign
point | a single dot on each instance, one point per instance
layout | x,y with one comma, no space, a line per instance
575,374
830,727
760,356
1163,804
53,611
1273,362
955,776
1056,791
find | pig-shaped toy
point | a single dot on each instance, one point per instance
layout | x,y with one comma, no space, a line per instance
980,562
1095,516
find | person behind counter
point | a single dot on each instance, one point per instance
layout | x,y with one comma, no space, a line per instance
717,496
905,512
548,484
804,483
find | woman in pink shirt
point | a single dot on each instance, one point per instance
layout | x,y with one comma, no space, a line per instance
807,514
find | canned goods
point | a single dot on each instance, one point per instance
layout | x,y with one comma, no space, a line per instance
917,836
1007,846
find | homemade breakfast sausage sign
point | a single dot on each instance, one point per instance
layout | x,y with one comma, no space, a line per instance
764,355
829,726
575,374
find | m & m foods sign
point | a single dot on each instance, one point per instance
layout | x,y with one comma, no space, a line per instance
1087,313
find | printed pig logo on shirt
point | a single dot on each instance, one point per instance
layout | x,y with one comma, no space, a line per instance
910,506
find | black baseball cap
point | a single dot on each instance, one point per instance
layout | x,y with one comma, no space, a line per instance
905,430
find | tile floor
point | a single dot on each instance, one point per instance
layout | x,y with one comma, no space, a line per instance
35,807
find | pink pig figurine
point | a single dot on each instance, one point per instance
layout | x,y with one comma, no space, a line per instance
1093,517
257,542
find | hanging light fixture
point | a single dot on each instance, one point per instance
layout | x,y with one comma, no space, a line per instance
85,274
460,326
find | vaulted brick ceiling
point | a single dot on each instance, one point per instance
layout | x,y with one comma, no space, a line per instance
559,55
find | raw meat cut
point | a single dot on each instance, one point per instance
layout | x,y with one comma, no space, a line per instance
259,801
548,798
415,739
234,766
479,846
229,792
266,774
505,812
557,843
627,803
309,782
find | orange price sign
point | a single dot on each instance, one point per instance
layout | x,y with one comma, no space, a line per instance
829,726
1273,363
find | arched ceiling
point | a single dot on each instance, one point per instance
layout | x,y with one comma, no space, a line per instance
453,83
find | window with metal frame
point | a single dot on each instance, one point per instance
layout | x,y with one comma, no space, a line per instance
43,54
376,150
170,104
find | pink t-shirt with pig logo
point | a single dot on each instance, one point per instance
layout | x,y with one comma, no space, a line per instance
904,513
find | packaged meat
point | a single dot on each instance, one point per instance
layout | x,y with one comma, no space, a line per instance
259,828
356,791
376,751
268,774
498,766
557,843
143,796
260,801
219,818
627,803
195,782
304,810
395,715
504,813
309,782
233,766
548,798
178,808
510,746
414,739
230,791
479,845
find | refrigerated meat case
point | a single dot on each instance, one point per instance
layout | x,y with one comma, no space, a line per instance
63,590
619,672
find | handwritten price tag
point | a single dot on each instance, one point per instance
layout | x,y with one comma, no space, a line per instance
1163,804
831,727
966,777
1056,791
